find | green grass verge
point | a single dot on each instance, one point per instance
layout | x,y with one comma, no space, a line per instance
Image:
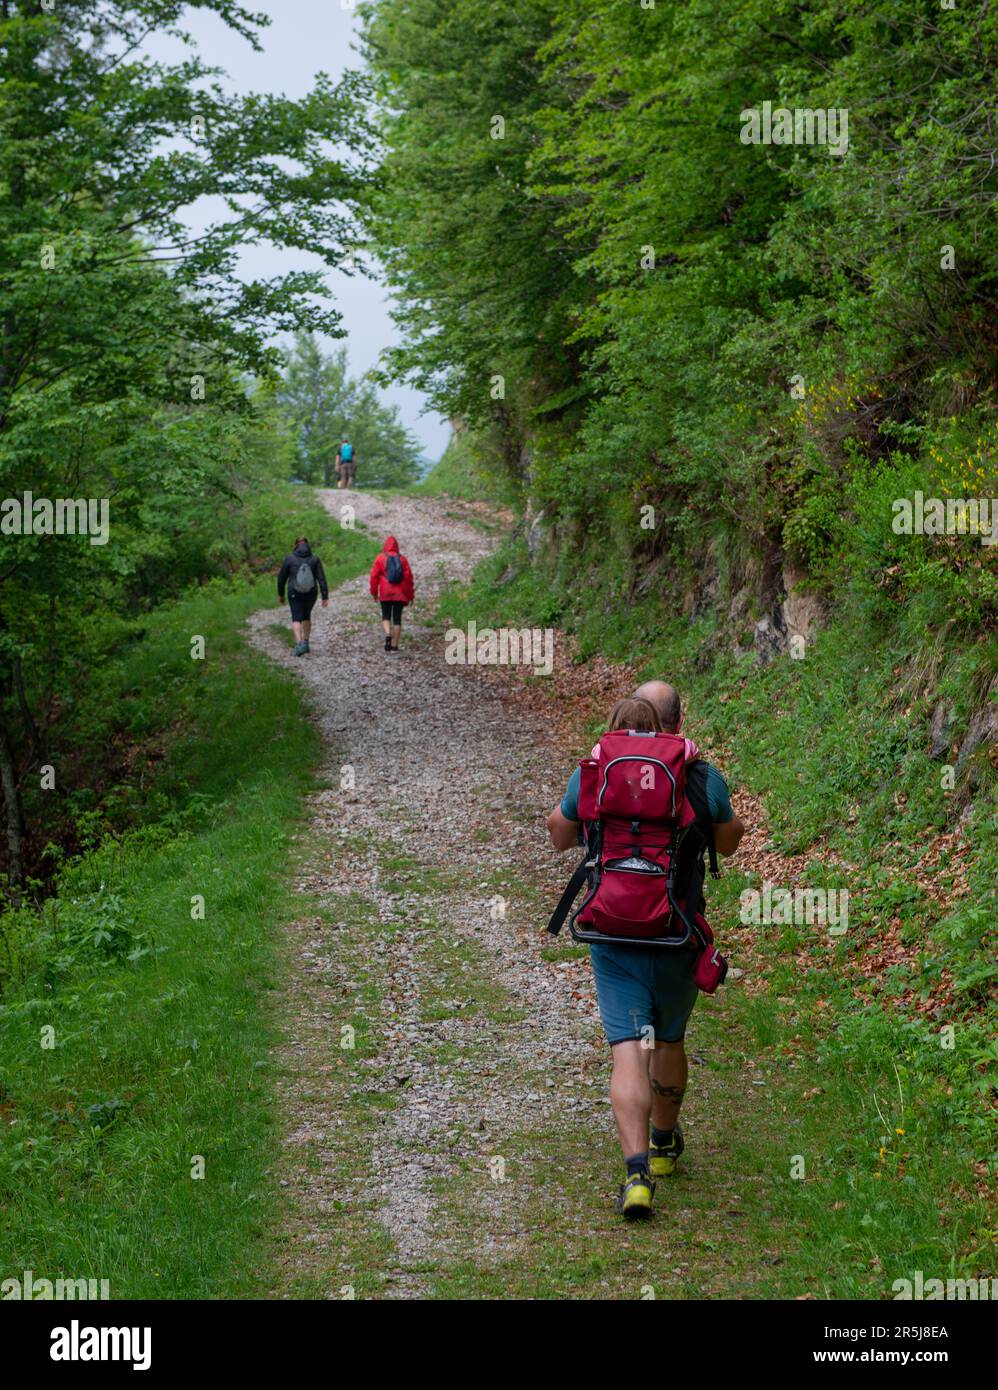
462,472
134,1033
336,1249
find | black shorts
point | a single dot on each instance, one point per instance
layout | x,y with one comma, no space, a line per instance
392,611
301,606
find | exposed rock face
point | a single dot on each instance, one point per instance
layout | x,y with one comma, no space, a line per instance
707,656
738,609
705,597
794,613
771,635
983,728
798,615
525,464
802,612
534,533
942,722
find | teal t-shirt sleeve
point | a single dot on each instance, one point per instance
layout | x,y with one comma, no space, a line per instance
717,797
570,801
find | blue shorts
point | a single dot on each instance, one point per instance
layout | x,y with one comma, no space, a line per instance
641,987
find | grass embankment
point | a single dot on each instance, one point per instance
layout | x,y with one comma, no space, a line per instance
461,473
861,1067
134,1030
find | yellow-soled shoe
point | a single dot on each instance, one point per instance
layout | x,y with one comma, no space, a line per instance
662,1162
636,1193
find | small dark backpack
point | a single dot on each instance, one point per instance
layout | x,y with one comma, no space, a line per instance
393,569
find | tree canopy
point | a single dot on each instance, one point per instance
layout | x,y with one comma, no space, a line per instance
324,405
634,305
126,339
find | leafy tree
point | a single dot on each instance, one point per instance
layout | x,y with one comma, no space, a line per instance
732,332
124,337
486,293
324,404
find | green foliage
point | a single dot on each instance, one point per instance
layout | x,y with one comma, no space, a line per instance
98,926
739,335
483,281
127,343
158,1043
323,406
464,471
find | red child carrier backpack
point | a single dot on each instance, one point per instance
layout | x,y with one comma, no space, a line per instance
643,865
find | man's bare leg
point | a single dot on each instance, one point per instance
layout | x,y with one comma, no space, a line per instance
646,1084
631,1095
668,1074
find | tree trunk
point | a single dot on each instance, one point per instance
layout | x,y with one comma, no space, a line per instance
14,816
35,736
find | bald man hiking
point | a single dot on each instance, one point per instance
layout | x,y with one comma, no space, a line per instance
648,809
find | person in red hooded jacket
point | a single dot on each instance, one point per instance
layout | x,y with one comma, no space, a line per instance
392,585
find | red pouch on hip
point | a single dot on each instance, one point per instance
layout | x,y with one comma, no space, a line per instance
711,967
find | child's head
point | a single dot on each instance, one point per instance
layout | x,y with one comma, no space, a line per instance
634,714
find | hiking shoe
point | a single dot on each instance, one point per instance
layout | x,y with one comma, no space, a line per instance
662,1162
388,644
299,649
634,1202
305,647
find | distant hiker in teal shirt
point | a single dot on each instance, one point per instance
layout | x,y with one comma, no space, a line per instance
346,463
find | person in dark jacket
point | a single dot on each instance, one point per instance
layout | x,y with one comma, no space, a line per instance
299,568
392,585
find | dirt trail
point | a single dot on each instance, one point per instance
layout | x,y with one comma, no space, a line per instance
436,757
437,837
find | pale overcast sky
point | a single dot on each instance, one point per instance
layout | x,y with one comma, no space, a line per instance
305,37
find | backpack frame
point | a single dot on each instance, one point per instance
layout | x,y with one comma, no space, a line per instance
667,849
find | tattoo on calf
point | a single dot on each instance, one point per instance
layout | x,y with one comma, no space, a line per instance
673,1093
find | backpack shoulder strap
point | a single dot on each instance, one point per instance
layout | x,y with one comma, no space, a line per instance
696,792
568,897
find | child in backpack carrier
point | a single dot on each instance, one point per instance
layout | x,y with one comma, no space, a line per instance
643,885
641,716
633,713
648,810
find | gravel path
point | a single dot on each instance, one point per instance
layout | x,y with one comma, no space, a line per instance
452,775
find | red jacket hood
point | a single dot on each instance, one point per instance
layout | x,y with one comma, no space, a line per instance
390,546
